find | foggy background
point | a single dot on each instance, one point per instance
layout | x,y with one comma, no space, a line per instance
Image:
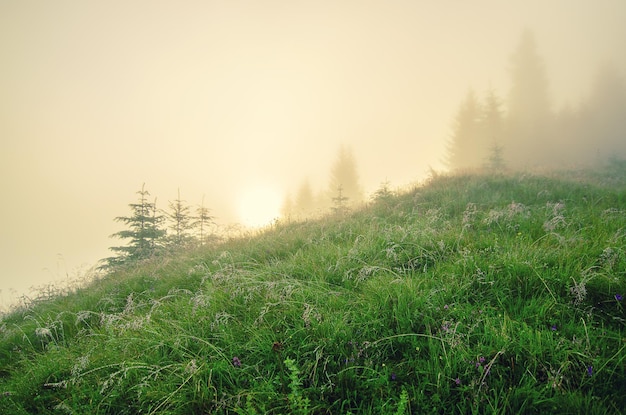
240,101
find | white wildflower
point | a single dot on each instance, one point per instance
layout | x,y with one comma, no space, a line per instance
43,332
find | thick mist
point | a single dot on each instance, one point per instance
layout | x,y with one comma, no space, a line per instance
246,103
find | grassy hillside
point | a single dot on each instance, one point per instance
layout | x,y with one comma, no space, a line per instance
472,294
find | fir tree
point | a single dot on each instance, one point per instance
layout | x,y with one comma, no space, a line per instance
492,132
203,221
339,202
180,222
305,201
529,117
287,208
383,193
144,233
344,174
465,148
495,162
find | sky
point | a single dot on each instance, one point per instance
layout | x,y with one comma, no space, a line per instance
240,101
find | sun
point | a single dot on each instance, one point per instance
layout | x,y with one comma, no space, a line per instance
259,205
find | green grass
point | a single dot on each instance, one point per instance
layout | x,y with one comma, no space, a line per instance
471,294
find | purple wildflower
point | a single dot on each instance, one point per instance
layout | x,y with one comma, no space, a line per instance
236,362
553,328
619,297
457,381
393,376
590,370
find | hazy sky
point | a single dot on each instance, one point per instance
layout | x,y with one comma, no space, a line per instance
236,99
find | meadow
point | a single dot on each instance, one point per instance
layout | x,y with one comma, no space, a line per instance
471,293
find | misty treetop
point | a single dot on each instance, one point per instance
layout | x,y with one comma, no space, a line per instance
524,131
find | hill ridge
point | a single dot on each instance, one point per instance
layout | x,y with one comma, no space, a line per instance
471,293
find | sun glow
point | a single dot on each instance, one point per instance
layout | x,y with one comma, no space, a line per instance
259,205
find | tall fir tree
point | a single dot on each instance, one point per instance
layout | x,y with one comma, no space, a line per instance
305,201
344,174
465,148
492,132
287,208
144,231
528,97
605,114
529,114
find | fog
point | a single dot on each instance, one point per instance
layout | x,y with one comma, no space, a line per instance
241,101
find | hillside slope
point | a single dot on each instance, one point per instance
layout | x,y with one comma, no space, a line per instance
471,294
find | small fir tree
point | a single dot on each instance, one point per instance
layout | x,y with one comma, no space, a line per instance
203,220
383,194
495,161
180,222
340,202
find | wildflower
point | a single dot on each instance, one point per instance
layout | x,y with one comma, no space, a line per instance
619,297
393,376
43,332
236,362
590,370
192,367
457,381
553,328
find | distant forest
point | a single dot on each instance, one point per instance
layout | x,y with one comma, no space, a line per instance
524,131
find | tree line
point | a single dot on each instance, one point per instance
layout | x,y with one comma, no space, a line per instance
523,131
152,231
